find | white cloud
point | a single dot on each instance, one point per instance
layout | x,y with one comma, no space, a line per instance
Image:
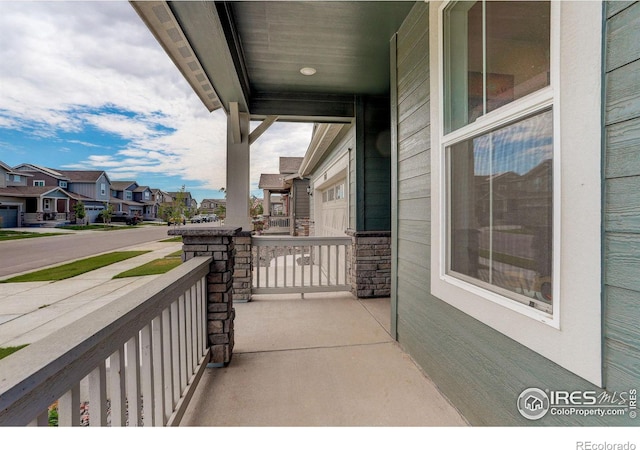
89,65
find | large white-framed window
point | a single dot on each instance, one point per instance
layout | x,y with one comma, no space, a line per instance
515,117
38,183
498,110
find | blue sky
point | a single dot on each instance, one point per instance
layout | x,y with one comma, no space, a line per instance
84,85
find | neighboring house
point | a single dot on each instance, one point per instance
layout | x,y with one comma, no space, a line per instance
190,203
43,176
286,199
25,204
326,163
11,208
210,205
92,187
89,186
441,105
144,195
123,200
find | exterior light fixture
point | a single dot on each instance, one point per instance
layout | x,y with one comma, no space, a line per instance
308,71
309,191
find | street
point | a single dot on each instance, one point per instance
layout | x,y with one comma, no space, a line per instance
22,255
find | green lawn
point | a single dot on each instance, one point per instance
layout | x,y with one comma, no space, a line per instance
75,268
7,235
97,227
155,267
6,351
173,239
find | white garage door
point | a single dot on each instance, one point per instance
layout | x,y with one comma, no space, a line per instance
92,213
332,219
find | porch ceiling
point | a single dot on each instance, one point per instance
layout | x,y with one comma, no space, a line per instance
252,52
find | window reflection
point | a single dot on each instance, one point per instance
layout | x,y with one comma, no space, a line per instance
501,200
495,52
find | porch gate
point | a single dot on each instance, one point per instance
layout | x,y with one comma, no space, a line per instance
286,265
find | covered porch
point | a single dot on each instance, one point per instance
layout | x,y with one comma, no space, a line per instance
325,360
38,205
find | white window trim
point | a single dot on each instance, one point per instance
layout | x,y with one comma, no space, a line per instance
572,335
38,183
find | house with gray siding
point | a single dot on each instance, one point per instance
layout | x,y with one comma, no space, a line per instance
286,204
92,188
490,148
32,196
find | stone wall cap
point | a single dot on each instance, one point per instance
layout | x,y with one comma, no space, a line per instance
202,231
351,232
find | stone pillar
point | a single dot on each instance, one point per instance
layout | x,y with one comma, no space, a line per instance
370,263
243,271
218,243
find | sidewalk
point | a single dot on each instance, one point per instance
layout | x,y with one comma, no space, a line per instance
31,311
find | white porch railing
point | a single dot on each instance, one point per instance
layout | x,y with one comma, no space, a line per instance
300,264
136,361
279,224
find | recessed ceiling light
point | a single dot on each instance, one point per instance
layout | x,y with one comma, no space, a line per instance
308,71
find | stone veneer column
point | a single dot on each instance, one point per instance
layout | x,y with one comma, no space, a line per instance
218,243
370,263
243,271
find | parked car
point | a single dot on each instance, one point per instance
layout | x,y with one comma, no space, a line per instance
121,217
198,218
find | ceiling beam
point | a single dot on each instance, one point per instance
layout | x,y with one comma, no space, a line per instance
333,108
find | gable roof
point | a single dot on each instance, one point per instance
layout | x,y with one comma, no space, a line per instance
122,185
31,191
84,176
46,170
274,181
289,164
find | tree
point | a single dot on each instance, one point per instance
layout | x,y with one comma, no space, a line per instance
79,211
107,213
177,214
221,211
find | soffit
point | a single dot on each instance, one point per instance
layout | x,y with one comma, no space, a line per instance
268,42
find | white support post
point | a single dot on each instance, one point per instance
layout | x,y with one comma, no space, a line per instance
238,172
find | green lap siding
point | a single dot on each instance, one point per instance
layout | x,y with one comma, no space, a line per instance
479,369
622,196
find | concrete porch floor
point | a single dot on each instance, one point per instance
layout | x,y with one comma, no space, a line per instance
325,360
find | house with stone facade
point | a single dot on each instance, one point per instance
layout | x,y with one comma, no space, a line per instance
33,196
91,187
492,147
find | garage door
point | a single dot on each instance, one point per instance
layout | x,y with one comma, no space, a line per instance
333,216
92,213
8,216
